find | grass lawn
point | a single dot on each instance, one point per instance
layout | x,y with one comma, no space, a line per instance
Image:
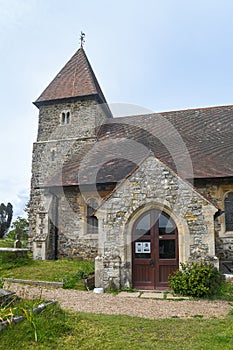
47,270
43,270
6,243
67,270
58,329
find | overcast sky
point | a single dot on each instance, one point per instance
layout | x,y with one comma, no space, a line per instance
158,54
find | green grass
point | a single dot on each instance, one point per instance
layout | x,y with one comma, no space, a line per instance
6,243
225,292
14,306
9,243
47,270
59,329
70,271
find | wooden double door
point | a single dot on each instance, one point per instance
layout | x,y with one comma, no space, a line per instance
154,250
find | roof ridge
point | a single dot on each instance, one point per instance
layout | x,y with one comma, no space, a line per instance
196,109
172,111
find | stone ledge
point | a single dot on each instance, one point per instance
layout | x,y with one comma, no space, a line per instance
34,282
14,250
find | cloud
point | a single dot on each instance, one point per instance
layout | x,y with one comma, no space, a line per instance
16,193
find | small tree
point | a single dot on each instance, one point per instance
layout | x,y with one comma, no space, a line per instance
6,213
19,229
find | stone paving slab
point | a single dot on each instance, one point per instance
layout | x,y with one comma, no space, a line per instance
129,294
171,296
152,295
161,295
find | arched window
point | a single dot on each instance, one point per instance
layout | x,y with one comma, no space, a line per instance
92,221
53,155
65,117
228,206
68,118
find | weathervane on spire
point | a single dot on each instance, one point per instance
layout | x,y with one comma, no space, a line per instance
82,40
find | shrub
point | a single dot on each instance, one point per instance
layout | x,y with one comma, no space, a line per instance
196,280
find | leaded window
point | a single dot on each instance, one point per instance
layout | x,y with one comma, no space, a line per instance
228,204
92,221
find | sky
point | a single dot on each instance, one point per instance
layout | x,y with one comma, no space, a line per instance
158,54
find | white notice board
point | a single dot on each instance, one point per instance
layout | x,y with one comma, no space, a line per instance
142,247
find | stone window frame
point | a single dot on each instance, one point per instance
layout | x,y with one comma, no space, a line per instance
65,117
226,194
90,219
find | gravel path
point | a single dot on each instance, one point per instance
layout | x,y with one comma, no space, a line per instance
116,304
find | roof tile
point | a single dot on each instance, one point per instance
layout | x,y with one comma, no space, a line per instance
206,134
76,79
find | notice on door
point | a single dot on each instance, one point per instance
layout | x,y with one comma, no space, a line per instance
142,247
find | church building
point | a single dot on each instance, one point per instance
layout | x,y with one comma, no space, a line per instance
138,194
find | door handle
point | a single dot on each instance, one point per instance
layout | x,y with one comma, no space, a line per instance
152,262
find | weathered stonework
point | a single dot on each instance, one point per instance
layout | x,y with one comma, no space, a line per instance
55,144
217,190
224,247
72,239
153,185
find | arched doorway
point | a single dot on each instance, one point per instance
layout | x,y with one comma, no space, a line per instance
154,250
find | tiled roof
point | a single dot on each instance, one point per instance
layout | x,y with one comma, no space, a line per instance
108,161
195,143
76,79
205,133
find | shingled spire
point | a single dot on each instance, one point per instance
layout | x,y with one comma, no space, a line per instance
75,80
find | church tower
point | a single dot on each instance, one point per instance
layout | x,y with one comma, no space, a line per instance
71,110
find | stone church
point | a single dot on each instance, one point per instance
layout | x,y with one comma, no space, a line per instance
138,194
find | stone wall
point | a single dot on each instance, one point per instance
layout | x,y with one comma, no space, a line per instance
55,144
153,185
85,116
61,224
74,241
224,247
217,190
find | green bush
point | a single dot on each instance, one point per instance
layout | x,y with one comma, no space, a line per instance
196,280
